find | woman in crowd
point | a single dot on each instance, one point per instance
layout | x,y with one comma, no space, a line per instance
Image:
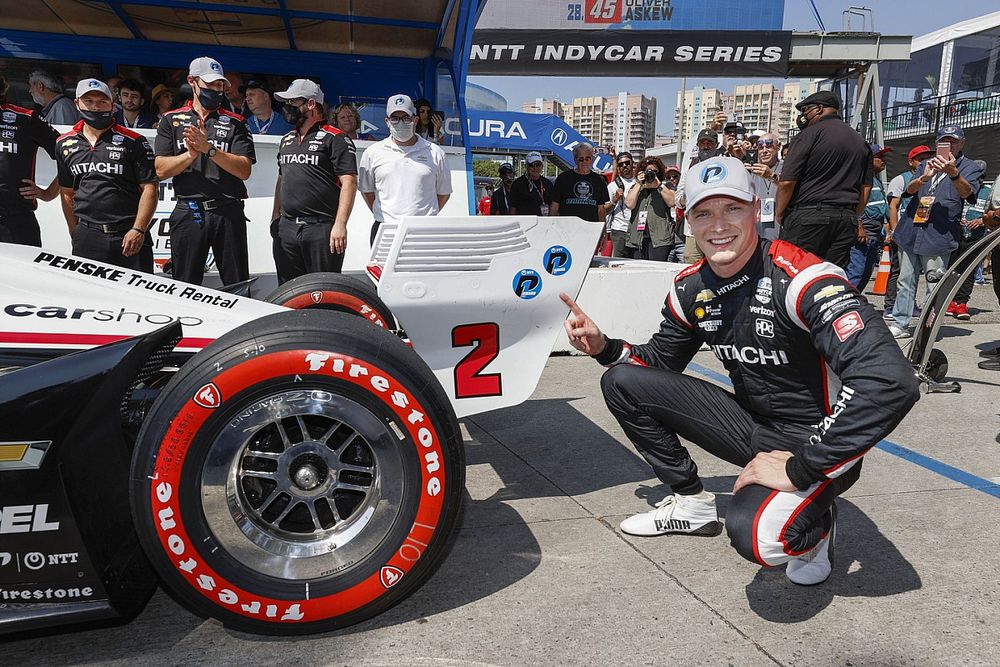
430,123
346,118
162,100
651,233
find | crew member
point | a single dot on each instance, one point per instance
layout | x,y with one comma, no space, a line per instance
500,202
209,153
782,321
403,174
317,181
531,193
108,183
24,132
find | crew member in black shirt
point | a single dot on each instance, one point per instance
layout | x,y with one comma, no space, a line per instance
531,194
317,181
108,183
23,132
209,153
824,182
500,201
581,192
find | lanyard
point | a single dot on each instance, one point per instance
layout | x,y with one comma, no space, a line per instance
540,189
934,183
261,129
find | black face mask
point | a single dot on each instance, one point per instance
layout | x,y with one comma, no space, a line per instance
210,99
802,121
99,120
291,114
705,153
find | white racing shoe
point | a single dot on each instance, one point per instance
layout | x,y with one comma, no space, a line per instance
686,515
814,567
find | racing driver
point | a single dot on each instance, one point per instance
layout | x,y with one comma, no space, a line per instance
817,379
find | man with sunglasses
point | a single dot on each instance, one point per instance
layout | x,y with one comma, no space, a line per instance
531,193
403,174
824,182
764,178
581,192
620,213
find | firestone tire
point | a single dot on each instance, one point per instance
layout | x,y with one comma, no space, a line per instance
300,474
333,291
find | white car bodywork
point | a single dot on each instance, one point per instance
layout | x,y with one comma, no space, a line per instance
451,283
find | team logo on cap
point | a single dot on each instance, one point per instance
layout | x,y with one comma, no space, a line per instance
400,101
94,83
713,173
215,67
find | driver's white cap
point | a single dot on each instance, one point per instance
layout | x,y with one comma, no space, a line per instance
92,86
717,176
302,89
207,69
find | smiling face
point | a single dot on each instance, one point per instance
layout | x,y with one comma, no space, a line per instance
726,231
346,120
131,99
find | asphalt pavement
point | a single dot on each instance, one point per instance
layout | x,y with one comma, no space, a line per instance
540,573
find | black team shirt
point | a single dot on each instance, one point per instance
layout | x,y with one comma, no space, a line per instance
203,179
310,169
579,194
107,175
22,131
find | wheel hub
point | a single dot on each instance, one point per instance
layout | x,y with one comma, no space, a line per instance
308,472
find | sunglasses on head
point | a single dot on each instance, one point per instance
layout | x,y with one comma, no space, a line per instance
761,143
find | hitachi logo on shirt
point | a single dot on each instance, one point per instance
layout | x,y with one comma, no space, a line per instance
299,158
733,285
750,355
99,167
8,147
846,394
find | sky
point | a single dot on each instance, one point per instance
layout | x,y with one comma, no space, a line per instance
918,18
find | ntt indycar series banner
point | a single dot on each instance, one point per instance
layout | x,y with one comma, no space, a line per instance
630,53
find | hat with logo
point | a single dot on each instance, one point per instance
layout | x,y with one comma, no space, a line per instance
207,69
92,86
533,157
302,89
918,150
954,131
506,166
708,134
255,83
879,149
717,176
400,103
824,98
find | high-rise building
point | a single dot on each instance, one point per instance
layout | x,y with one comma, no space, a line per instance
699,105
755,106
793,93
624,122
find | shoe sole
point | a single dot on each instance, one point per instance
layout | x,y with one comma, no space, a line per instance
711,529
831,552
964,318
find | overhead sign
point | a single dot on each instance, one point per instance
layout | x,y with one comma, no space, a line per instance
515,131
633,14
630,53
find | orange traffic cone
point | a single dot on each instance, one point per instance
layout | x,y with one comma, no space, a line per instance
884,268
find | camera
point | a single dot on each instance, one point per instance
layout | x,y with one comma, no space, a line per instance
650,175
752,156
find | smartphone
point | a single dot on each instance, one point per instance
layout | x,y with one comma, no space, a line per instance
943,150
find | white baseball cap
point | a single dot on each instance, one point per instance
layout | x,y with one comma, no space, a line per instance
400,103
207,69
302,89
90,86
533,157
717,176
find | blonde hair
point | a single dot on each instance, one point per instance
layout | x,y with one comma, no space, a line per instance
350,107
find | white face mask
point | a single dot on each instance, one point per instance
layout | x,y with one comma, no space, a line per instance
401,132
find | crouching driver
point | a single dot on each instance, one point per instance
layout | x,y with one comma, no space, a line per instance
817,382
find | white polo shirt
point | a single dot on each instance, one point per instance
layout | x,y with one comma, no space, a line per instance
406,180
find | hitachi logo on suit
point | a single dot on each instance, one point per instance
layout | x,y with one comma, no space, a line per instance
750,355
99,167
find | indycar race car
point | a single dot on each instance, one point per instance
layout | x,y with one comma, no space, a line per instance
284,466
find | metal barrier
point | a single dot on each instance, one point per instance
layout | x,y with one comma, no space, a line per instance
970,108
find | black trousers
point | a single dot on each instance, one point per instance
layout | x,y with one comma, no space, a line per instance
95,244
893,286
304,248
825,231
656,407
20,228
193,232
965,289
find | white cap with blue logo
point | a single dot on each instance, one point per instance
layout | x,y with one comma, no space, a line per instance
207,69
400,103
92,86
717,176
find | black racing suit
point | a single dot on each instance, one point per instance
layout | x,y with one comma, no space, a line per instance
815,372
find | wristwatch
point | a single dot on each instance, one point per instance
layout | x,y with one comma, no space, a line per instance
212,150
955,177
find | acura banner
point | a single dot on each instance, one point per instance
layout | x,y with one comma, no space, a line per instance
630,53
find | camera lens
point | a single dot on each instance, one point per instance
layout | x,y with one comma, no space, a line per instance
650,175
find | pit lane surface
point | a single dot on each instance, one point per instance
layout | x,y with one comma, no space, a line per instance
540,573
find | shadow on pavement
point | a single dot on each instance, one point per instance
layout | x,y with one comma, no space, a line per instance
866,564
947,331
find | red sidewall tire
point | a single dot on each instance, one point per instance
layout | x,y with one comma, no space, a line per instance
229,378
333,291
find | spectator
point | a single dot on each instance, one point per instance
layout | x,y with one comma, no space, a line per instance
734,138
235,100
930,227
992,221
651,229
163,100
898,201
484,203
108,184
46,92
867,250
973,230
209,153
430,123
346,118
580,191
18,191
824,182
263,118
403,174
531,193
130,112
696,144
707,148
764,172
114,84
672,181
621,215
500,202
